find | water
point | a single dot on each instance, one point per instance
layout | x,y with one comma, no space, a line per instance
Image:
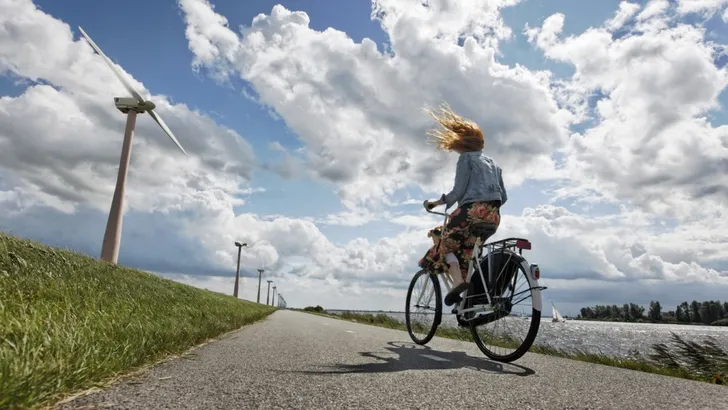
613,339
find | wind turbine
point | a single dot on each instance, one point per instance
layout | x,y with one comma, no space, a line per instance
131,107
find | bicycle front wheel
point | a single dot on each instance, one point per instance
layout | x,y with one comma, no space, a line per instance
423,311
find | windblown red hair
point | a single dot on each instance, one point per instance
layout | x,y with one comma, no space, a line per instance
455,133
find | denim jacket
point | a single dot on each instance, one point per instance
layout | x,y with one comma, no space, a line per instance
477,178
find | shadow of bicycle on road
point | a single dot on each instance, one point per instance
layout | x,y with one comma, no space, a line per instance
401,356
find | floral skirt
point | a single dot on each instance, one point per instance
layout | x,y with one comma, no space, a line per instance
457,238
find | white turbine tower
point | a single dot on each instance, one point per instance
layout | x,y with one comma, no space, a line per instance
131,107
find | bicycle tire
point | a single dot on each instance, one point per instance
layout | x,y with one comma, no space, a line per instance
525,345
438,307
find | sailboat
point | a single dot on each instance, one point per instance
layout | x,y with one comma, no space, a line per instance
555,315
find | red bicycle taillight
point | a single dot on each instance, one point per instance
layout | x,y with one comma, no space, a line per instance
523,244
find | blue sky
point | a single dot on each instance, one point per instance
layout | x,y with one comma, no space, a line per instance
163,65
160,57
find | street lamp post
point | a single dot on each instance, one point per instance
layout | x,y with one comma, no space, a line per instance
260,276
237,271
267,295
273,299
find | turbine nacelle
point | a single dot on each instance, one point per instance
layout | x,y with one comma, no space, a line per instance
137,103
126,104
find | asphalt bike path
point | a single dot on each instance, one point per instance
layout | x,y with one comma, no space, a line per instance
296,360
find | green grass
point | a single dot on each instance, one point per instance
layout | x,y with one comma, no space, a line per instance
705,362
69,322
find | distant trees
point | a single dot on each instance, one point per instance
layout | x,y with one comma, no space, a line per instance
655,312
705,312
628,312
709,312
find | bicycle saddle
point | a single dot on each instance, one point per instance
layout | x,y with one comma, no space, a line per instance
483,230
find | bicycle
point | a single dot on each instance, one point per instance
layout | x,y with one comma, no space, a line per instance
484,301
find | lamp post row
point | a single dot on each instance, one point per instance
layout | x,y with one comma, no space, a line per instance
260,277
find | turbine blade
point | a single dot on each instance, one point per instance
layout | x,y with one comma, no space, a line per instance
111,65
166,129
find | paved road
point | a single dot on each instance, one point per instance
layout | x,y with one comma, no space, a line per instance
294,360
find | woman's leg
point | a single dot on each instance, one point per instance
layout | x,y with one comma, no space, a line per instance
454,269
452,242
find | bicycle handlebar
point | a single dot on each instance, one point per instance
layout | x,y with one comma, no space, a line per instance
424,204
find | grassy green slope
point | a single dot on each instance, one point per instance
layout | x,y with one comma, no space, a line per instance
68,321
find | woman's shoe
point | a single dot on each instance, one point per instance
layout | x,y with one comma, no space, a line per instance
454,295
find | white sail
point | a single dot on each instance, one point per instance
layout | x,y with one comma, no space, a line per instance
556,316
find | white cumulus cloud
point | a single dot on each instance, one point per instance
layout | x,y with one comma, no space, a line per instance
649,159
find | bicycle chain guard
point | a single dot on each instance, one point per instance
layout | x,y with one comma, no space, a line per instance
502,309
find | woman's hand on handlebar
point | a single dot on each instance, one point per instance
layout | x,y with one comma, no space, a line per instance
431,204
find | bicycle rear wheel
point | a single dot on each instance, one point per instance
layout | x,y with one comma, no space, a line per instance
501,335
424,303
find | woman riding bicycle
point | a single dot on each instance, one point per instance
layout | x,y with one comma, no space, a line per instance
479,192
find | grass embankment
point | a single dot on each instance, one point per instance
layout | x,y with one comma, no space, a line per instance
70,322
706,362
